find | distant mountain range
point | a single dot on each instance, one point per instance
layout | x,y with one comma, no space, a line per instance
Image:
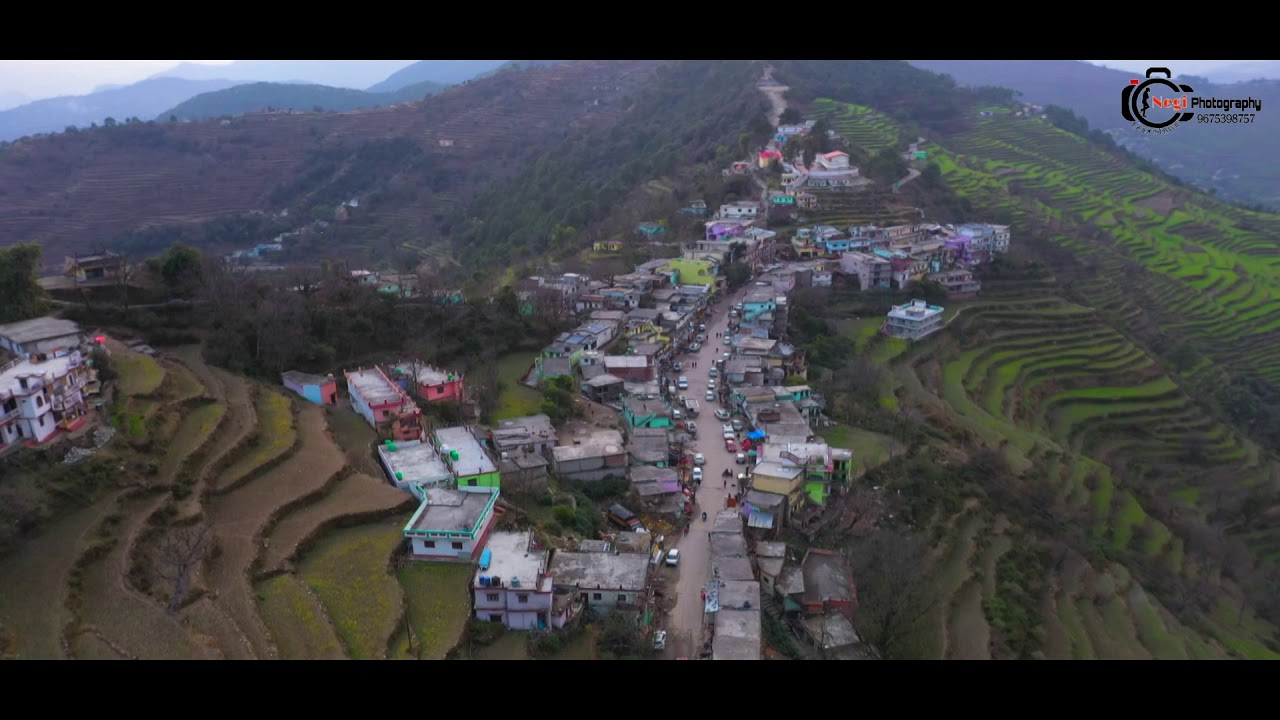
255,97
1246,71
144,100
1237,161
359,74
448,72
12,99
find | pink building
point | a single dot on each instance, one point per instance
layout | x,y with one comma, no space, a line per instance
431,383
384,405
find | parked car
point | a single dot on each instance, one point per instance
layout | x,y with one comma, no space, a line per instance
623,518
730,444
727,357
683,383
702,327
727,429
711,384
692,429
722,414
673,559
677,366
737,424
697,474
711,396
700,338
660,640
741,459
728,340
698,459
695,347
713,373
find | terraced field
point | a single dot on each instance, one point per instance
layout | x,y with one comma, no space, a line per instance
861,125
1150,254
275,492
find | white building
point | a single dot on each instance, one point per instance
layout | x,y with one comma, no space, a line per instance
451,525
511,585
741,210
832,170
43,335
603,581
40,395
913,320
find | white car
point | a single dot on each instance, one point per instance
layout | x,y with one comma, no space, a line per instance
673,557
697,474
728,340
699,460
713,373
722,414
741,459
683,383
711,384
660,640
711,396
726,429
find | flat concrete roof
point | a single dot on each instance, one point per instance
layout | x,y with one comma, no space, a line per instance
831,631
770,566
765,501
605,571
55,367
727,521
771,549
770,468
301,378
626,361
594,546
790,581
734,568
634,542
447,510
510,557
827,577
522,430
427,374
605,380
374,387
36,329
726,545
648,473
416,461
472,459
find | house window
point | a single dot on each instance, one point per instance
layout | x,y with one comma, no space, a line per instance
584,595
523,597
386,413
495,617
429,543
597,596
41,421
439,389
471,482
622,597
491,597
39,401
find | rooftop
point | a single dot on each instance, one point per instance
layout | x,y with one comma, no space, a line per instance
451,511
648,473
41,328
374,387
415,461
727,521
604,379
523,431
766,501
827,577
626,361
625,571
595,546
914,310
832,630
427,374
510,557
301,378
472,459
25,368
728,545
634,542
733,568
589,444
644,408
774,469
790,581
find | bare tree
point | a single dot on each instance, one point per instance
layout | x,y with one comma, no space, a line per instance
893,593
181,552
126,274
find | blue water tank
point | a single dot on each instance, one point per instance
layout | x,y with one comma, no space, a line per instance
485,558
484,581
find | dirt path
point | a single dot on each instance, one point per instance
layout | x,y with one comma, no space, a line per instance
239,516
775,93
354,495
33,583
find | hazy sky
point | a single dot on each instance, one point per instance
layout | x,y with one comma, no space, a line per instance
37,79
49,78
1179,67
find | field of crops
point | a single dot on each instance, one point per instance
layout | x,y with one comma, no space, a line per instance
861,125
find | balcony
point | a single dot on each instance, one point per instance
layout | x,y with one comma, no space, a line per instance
6,417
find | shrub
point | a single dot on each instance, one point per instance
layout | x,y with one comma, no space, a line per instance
545,498
553,528
565,515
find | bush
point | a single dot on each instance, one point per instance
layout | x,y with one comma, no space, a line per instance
553,529
545,498
565,515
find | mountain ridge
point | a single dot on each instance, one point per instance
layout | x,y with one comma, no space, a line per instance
253,97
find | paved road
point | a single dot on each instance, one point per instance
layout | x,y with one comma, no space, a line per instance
685,620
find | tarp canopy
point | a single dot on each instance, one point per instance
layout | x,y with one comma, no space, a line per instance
756,435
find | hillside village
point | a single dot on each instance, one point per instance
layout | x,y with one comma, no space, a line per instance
642,335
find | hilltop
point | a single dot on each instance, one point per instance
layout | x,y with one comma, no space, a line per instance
1236,162
257,97
75,190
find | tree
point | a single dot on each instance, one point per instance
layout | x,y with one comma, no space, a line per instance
126,273
180,268
558,396
21,296
893,594
109,122
790,116
620,636
182,550
737,274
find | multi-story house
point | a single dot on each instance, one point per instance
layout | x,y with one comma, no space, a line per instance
384,405
913,320
958,283
429,382
511,584
40,395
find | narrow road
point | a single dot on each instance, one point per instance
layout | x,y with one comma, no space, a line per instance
912,173
695,548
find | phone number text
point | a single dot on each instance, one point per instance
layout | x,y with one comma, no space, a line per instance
1224,117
